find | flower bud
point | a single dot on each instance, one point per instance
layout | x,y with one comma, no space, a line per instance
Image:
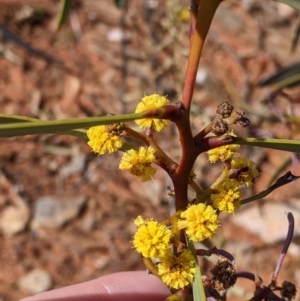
219,126
225,109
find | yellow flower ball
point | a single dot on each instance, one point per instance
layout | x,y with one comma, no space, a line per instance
153,101
138,163
177,271
223,153
199,221
227,196
152,239
248,170
101,141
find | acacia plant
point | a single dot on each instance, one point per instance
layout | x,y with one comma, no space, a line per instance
167,247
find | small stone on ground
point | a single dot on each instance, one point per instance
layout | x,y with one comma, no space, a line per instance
54,211
36,281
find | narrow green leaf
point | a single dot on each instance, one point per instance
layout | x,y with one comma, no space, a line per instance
6,119
198,289
282,167
293,3
119,3
59,126
296,36
280,144
285,77
294,119
64,9
285,179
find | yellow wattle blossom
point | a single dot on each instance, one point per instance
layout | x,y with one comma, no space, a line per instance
199,221
184,14
177,271
152,239
139,162
227,197
223,153
153,101
247,170
102,141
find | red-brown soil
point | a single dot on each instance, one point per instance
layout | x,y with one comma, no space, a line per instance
86,70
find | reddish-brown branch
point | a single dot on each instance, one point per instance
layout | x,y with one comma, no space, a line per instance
136,135
213,142
206,11
199,28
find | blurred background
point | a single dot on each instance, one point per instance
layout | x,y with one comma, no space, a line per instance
66,215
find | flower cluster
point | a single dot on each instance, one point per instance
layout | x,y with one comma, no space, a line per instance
153,240
106,139
243,172
176,264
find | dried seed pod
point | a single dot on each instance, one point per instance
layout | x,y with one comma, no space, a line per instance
288,291
223,275
219,126
225,109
